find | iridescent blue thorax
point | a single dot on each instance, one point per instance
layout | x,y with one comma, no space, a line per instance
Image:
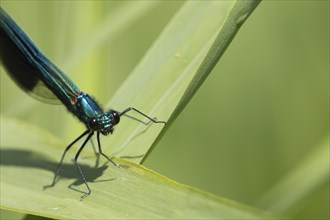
92,115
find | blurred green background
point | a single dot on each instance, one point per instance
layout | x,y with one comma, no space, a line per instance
257,119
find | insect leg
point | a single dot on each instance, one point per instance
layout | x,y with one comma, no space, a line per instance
141,113
100,150
60,164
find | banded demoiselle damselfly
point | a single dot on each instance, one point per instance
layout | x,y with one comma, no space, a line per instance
39,77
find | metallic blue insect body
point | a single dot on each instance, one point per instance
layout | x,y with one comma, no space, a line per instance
39,77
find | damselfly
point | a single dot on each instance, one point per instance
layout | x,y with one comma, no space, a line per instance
38,76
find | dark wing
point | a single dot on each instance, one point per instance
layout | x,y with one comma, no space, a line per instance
30,69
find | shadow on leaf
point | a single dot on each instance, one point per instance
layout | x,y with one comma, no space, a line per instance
29,159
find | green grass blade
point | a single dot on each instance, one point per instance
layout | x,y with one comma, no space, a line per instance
5,214
161,85
131,191
308,176
174,68
110,29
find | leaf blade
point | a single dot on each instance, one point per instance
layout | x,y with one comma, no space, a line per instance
175,67
132,191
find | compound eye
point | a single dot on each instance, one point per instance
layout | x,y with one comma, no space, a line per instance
115,118
93,124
